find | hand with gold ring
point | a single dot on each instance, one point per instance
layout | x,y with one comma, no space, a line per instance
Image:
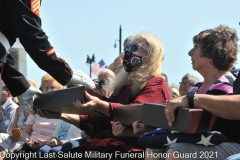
166,110
172,105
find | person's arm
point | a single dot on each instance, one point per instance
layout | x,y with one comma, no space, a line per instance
118,129
227,106
38,46
17,84
73,119
16,118
27,133
224,106
70,118
150,93
93,104
26,114
28,128
155,91
112,67
53,142
14,80
117,62
35,42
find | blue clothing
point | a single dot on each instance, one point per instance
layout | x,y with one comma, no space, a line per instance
48,149
7,114
53,151
66,131
62,130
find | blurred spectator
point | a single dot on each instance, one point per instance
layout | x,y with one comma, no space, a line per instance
63,133
188,80
7,110
235,72
14,99
32,83
38,130
105,77
174,92
164,76
13,141
7,113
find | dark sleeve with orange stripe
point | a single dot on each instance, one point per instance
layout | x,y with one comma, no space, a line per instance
28,27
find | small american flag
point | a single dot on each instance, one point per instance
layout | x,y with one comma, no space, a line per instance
98,67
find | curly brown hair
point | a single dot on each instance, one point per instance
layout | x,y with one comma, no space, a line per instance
220,45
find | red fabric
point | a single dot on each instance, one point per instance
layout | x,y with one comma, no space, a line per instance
103,143
155,91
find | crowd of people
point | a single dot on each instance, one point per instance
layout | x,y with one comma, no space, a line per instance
134,77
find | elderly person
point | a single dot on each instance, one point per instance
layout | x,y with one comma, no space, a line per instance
14,141
188,80
174,92
214,53
142,66
105,77
7,114
212,58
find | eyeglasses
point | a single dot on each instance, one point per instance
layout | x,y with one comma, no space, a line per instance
133,48
185,84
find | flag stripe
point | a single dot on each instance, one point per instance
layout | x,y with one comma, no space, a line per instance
98,67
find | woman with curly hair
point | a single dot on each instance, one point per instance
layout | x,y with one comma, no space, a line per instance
213,55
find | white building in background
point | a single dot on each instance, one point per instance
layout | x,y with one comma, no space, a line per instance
20,55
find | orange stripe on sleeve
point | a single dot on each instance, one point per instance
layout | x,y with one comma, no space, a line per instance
35,6
50,51
66,65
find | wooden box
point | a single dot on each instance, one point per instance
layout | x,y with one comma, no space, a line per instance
60,101
128,114
187,120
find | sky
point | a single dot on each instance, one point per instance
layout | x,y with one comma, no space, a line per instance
78,28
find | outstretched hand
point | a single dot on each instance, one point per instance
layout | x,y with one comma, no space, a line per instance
26,99
53,142
139,128
90,107
172,105
79,77
118,129
47,114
